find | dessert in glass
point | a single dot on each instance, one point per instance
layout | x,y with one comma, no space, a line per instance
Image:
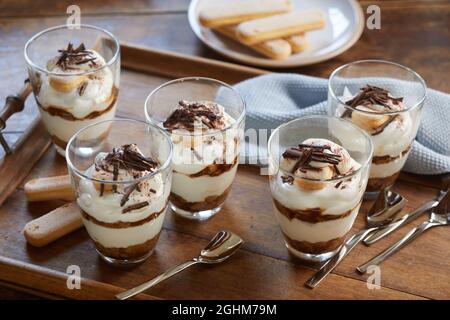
205,118
122,185
318,171
385,99
75,78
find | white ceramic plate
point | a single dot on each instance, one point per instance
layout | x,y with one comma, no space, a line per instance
344,25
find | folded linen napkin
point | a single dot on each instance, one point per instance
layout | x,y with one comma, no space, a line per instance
273,99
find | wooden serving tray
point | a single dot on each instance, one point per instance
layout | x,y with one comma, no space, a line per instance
262,269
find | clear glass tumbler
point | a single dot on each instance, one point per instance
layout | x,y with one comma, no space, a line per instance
75,78
205,159
316,201
122,185
385,99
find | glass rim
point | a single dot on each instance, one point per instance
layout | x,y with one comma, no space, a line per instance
365,134
414,73
79,73
161,168
207,79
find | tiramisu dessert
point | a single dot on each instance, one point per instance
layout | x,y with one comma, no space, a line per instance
205,157
316,192
392,130
78,89
123,204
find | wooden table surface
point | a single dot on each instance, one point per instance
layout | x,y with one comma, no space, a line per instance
414,33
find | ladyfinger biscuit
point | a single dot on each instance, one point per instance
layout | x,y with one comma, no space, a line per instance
220,13
298,42
277,49
52,188
53,225
280,26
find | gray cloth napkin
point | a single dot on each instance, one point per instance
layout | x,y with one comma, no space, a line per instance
277,98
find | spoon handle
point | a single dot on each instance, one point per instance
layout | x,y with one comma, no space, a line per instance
377,235
333,262
146,285
414,233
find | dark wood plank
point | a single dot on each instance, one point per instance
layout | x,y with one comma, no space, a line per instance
26,152
175,65
426,51
265,277
26,8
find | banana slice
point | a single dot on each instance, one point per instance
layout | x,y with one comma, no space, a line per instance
102,175
366,121
323,174
66,84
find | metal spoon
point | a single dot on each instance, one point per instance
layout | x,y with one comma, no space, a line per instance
440,216
427,206
221,247
383,211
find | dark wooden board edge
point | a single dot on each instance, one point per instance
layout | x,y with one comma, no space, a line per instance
176,65
27,151
22,274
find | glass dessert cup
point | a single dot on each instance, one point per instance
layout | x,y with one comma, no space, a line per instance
318,171
205,118
122,185
75,78
391,115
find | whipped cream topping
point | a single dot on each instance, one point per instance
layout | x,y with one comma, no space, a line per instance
195,129
198,115
83,93
318,159
324,160
123,201
377,101
391,134
72,60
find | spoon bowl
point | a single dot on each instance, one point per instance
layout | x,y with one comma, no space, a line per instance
385,209
220,248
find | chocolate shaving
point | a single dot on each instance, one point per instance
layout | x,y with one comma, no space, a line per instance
102,189
152,190
135,206
127,194
196,154
304,159
371,95
187,113
115,175
323,147
128,159
306,153
338,184
74,56
336,169
287,179
381,128
347,113
82,88
292,153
